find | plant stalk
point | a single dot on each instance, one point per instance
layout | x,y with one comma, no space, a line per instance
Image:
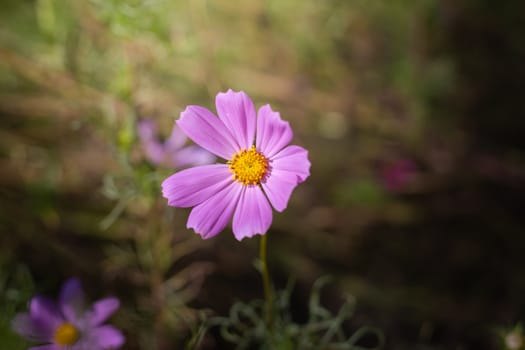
268,291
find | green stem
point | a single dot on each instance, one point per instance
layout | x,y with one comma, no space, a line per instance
268,294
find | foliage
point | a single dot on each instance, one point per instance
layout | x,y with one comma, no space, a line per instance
16,287
247,328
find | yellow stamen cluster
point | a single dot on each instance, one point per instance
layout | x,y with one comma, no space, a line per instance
66,334
248,166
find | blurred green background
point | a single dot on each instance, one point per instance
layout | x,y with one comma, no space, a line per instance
413,113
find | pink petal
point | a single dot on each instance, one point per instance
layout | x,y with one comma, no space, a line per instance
147,129
45,311
176,140
279,187
208,131
253,214
211,216
288,168
102,310
72,300
293,159
192,155
154,151
273,133
106,337
237,112
24,325
193,186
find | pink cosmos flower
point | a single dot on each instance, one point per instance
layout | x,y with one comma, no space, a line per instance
66,325
171,152
261,167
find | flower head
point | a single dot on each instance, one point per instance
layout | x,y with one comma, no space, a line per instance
261,167
171,152
397,175
66,324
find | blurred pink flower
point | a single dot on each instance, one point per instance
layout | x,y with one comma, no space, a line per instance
397,175
170,153
66,324
261,167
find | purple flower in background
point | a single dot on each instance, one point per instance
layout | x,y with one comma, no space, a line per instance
171,152
398,174
261,168
66,324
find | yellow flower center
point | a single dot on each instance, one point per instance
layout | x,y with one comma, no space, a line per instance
66,334
248,166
